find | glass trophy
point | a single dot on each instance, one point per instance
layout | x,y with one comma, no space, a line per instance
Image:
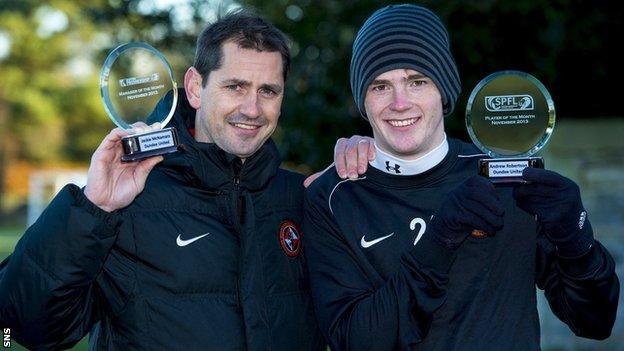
510,116
137,85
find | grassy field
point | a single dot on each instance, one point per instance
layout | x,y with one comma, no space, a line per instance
8,238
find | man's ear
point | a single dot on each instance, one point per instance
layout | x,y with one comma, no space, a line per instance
193,86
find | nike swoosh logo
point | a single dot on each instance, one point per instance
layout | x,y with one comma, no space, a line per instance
181,242
366,244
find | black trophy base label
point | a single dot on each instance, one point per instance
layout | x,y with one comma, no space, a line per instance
139,146
508,170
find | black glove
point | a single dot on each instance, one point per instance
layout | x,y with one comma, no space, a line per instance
474,204
556,201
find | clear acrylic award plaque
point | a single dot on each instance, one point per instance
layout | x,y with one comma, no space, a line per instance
134,80
510,116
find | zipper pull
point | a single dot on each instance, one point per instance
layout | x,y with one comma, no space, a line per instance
236,170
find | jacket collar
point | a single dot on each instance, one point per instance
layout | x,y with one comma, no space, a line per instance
208,166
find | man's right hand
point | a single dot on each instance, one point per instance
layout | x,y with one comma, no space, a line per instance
112,184
474,204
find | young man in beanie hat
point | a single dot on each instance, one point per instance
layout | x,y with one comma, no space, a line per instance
392,263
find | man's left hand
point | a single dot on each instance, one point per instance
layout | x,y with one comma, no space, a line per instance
351,158
556,202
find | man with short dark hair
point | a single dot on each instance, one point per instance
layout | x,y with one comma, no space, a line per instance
205,253
393,264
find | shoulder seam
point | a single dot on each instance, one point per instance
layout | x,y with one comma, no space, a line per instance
334,189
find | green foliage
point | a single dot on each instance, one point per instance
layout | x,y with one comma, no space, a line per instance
50,77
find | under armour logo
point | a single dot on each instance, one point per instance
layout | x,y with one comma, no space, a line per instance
395,168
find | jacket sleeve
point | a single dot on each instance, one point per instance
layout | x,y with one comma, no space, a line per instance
47,292
356,309
582,292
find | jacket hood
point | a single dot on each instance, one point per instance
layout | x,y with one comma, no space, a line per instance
206,164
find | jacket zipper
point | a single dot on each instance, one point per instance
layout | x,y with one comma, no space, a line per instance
239,228
239,208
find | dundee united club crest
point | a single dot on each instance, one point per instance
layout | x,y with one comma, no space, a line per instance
290,238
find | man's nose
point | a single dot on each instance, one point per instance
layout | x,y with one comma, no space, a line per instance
250,106
400,100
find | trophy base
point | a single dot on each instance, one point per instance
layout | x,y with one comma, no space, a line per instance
143,145
508,171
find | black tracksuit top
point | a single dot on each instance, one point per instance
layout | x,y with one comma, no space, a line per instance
380,283
135,280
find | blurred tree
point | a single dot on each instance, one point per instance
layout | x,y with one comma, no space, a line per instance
3,147
50,106
32,124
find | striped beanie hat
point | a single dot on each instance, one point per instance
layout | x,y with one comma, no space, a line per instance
404,36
